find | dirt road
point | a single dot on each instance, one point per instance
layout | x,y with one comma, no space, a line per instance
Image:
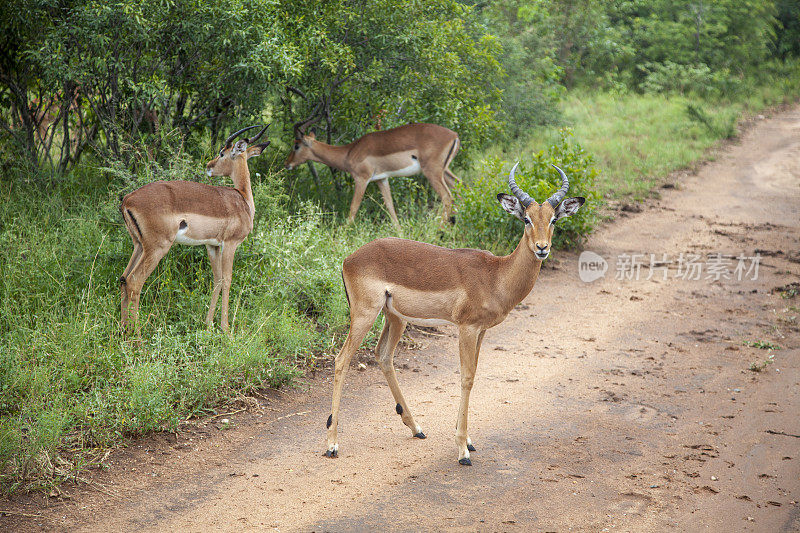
616,405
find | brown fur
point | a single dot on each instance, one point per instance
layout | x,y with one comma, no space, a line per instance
472,289
386,151
155,213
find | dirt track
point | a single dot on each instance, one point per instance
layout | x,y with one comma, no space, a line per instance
617,405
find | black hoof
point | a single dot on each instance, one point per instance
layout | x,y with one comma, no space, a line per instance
420,435
452,219
465,461
332,454
470,447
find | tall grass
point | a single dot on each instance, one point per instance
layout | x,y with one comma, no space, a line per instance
638,139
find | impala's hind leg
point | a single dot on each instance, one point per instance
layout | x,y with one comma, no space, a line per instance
136,256
358,195
469,343
123,284
451,179
392,331
435,175
386,192
361,320
138,275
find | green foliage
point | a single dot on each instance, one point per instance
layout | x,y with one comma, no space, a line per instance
669,46
387,63
101,77
481,220
787,32
530,87
669,77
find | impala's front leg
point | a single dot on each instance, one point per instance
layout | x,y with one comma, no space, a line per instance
228,253
215,257
468,341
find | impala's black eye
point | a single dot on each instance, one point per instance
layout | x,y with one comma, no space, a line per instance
296,146
527,220
222,153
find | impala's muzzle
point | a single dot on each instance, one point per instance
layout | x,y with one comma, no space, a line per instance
541,250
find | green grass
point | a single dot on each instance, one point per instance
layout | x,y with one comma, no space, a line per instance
763,345
637,140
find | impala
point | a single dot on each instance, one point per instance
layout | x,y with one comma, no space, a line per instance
428,285
162,213
380,155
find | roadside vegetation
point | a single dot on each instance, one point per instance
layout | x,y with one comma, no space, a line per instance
101,98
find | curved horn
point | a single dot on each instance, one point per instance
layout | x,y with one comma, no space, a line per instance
521,195
300,127
232,136
560,193
260,133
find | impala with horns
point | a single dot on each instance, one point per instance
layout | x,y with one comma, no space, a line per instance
428,285
162,213
380,155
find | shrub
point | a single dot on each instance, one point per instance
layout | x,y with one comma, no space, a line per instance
483,223
668,77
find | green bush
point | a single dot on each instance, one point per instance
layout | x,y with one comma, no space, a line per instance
669,77
483,223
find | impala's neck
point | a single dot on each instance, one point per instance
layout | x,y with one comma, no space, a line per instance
241,182
518,272
327,154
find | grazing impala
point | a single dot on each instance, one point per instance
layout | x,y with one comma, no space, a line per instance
380,155
424,284
162,213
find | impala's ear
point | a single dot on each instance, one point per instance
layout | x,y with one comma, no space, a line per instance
255,150
239,148
511,204
569,207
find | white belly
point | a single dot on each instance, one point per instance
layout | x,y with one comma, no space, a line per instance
417,321
181,238
425,321
410,170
